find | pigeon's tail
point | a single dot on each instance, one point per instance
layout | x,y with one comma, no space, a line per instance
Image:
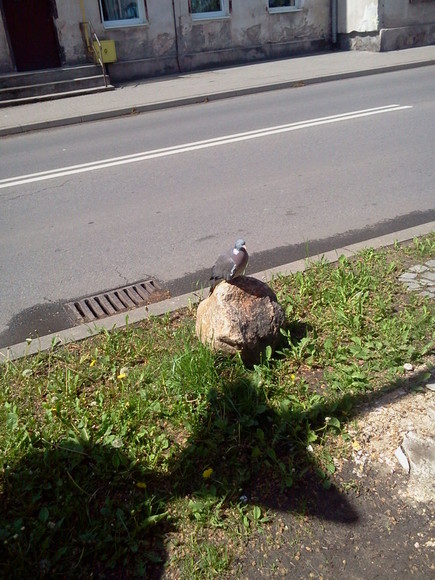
213,283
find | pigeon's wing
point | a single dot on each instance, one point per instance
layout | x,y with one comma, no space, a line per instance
224,268
230,265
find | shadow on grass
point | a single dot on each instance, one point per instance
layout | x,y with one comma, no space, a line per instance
259,454
73,508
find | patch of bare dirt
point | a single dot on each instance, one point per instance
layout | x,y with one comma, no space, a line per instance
377,519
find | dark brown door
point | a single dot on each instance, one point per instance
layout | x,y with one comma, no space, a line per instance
31,32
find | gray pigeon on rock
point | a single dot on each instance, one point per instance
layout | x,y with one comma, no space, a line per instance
230,265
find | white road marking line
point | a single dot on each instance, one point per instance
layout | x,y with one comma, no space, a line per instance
186,147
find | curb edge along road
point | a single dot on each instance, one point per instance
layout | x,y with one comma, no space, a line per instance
84,331
203,97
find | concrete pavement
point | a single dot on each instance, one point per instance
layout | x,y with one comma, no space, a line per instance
185,89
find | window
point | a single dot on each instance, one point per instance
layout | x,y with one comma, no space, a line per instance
205,9
283,5
116,13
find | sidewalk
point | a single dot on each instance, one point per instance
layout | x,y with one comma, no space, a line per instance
189,88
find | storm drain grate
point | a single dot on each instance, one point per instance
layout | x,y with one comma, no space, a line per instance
117,301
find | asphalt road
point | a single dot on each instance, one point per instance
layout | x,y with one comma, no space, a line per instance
295,172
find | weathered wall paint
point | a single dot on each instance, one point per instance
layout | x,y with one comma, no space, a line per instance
154,39
249,33
171,42
371,15
250,25
385,24
69,33
398,13
406,24
357,16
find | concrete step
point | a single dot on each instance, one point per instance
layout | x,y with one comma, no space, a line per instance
48,75
49,88
53,96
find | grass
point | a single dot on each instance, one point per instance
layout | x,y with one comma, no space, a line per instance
140,450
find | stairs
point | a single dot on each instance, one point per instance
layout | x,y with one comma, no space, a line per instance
49,84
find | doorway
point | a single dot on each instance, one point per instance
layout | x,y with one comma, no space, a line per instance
32,33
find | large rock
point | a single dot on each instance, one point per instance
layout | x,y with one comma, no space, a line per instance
420,450
240,317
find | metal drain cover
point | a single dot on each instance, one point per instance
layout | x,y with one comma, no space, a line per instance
117,301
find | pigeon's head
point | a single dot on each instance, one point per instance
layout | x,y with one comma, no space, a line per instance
240,244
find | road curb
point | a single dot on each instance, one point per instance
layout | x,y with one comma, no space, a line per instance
117,321
205,97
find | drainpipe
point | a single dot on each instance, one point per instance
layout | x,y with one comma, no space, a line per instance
82,8
334,21
176,37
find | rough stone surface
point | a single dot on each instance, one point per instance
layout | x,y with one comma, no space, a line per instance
240,317
420,277
407,276
421,455
402,459
430,276
401,419
418,268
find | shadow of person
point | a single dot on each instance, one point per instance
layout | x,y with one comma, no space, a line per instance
73,507
257,453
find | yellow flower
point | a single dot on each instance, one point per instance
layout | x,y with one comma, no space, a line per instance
207,473
356,445
93,363
293,377
141,485
123,373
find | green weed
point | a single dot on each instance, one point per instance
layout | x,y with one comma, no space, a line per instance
140,446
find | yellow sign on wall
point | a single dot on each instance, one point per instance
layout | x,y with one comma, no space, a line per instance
108,50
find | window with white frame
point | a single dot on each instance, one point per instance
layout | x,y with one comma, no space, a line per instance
116,13
283,5
205,9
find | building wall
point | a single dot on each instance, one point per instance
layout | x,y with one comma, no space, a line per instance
171,41
153,39
406,23
385,24
358,24
71,43
251,27
248,33
145,50
397,13
357,16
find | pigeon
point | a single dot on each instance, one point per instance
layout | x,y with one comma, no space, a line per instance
230,265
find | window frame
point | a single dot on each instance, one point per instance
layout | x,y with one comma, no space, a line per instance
283,9
126,22
201,16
